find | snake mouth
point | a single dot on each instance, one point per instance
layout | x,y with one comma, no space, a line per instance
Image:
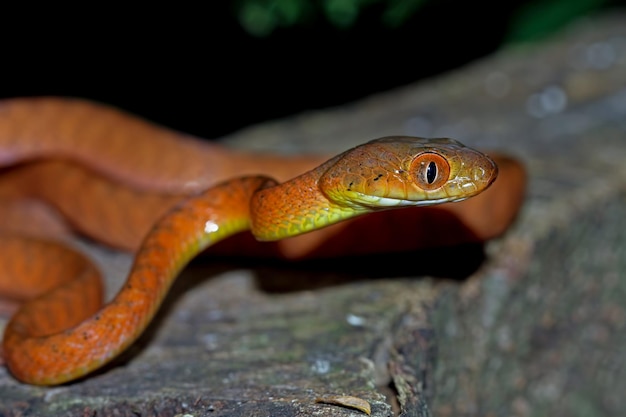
381,203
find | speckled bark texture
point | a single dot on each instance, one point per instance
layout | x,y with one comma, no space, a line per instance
539,328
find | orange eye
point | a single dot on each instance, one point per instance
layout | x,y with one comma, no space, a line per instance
430,170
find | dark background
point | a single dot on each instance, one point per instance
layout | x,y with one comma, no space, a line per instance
198,70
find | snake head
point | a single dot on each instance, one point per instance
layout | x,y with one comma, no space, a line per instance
407,171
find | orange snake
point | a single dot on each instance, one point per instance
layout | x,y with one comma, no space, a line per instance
125,182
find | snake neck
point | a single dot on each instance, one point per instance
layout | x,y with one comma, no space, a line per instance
295,207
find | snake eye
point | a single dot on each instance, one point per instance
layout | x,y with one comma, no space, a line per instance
430,170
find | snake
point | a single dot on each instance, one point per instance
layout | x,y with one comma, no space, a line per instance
167,196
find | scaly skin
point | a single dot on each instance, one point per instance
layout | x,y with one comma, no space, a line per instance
37,356
127,149
44,344
130,172
361,180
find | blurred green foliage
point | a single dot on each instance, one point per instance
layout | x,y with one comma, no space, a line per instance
539,18
261,17
530,21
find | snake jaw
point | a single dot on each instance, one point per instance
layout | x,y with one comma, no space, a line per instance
365,202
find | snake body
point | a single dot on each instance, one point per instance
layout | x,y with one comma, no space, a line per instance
376,176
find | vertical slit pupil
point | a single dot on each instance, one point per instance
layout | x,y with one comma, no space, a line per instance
431,172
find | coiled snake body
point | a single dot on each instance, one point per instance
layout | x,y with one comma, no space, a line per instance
62,333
